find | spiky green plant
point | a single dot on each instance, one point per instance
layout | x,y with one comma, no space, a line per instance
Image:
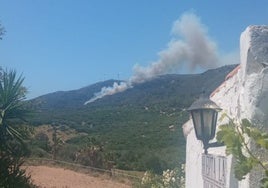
12,94
12,147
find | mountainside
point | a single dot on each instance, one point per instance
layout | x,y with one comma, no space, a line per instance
161,88
139,128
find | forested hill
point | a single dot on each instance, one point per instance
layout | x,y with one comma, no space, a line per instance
139,128
163,89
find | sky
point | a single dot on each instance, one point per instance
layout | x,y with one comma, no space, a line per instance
60,45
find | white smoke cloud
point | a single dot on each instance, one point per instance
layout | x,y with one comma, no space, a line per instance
116,88
189,46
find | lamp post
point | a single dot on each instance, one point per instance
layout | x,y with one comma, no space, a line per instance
204,114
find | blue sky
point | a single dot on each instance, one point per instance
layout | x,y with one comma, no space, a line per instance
68,44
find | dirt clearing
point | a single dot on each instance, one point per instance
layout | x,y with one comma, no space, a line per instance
54,177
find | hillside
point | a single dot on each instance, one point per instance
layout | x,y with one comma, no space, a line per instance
137,129
166,86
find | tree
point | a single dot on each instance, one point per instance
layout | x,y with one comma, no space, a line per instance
92,154
42,140
239,139
56,143
12,147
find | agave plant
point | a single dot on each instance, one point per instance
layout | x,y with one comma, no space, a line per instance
12,94
12,147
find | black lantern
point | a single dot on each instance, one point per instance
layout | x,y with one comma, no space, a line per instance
204,113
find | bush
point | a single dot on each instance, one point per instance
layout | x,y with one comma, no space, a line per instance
11,160
169,179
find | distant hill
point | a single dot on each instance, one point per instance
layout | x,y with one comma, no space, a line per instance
161,88
140,126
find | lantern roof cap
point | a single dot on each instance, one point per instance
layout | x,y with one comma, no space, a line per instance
204,103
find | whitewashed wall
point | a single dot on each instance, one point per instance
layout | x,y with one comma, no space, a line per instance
244,94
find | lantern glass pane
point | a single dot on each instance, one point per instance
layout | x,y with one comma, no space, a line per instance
196,115
208,118
214,124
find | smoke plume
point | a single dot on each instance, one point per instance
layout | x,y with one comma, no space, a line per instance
116,88
189,47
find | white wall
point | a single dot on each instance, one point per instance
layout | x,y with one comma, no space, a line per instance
244,94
